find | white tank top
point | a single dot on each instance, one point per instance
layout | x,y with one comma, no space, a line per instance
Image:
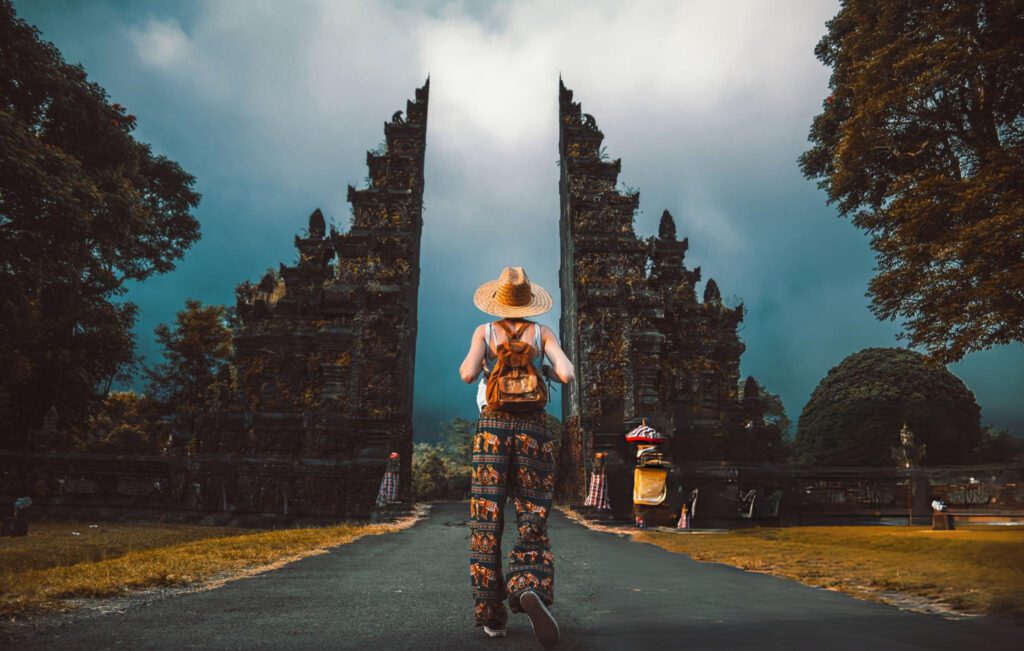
481,390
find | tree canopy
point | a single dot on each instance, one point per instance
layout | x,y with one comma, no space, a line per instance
84,207
195,377
921,143
855,413
125,423
457,438
774,410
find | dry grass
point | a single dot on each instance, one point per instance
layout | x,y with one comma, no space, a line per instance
51,564
968,570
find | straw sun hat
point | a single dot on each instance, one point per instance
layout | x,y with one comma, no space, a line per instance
512,295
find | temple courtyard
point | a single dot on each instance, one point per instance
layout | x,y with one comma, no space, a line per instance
410,589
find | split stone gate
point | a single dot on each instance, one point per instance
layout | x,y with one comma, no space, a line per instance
324,364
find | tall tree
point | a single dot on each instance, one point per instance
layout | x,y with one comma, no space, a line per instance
921,143
457,438
197,351
126,423
84,207
855,414
774,410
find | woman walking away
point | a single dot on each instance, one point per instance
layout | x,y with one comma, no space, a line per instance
513,454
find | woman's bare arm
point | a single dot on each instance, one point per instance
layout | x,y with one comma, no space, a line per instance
561,366
474,362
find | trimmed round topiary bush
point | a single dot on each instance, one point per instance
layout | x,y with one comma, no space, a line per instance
855,414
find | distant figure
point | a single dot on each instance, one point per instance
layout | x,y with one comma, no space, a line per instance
684,519
512,433
17,523
941,521
388,493
597,494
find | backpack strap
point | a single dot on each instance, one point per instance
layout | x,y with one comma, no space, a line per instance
538,341
539,345
514,336
504,326
488,337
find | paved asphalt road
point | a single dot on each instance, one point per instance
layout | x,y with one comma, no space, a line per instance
411,590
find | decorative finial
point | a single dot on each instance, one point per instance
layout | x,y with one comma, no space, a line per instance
712,296
317,225
667,227
750,390
268,283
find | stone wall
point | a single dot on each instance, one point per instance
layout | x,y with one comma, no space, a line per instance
216,489
835,491
224,489
721,494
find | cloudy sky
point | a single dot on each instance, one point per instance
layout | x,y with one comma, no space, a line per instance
272,105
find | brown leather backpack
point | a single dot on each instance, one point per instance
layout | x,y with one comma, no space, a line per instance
514,383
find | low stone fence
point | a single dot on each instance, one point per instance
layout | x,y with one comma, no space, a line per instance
991,490
724,494
206,488
226,489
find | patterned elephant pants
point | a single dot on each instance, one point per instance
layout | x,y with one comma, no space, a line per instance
513,457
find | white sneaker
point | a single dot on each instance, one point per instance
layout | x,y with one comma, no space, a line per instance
495,632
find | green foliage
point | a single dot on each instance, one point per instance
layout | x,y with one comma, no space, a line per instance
437,474
84,207
125,423
774,410
196,374
457,439
998,446
921,143
855,414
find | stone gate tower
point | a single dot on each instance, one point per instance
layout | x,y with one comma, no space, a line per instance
326,349
643,345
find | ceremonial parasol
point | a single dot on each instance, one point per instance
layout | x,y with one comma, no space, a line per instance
645,434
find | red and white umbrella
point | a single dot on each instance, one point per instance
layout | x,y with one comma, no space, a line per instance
645,434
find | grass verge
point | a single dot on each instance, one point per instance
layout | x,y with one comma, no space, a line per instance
52,564
968,570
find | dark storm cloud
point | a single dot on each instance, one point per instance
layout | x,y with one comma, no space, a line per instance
272,106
